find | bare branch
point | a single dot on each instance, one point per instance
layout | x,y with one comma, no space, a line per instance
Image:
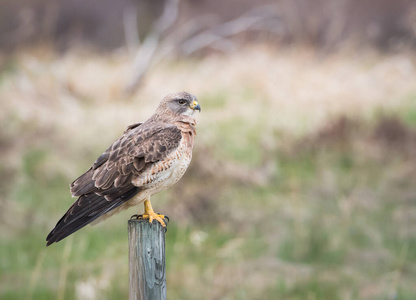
188,41
142,61
145,54
238,25
170,13
131,31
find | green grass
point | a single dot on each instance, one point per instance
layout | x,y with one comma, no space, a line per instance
309,289
240,141
327,211
409,110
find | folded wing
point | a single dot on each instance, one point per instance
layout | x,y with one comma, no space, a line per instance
107,184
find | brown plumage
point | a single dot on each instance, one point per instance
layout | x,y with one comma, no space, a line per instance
148,158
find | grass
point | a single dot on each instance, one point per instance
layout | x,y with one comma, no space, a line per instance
301,186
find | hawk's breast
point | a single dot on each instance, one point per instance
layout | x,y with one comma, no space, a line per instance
168,171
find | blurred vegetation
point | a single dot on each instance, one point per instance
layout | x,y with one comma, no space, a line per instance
326,24
302,184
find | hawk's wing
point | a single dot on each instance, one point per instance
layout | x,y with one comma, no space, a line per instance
107,184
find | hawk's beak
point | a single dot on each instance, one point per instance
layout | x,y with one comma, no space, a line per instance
195,106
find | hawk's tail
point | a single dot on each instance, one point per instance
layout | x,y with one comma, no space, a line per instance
86,209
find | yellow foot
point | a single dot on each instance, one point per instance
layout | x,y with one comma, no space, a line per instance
153,216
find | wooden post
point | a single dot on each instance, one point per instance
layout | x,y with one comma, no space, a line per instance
147,276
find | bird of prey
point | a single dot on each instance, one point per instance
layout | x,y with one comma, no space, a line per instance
148,158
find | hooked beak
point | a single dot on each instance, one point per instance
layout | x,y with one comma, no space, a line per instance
195,106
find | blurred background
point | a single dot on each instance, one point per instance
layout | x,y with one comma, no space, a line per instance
302,184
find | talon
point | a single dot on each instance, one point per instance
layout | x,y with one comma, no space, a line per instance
154,216
136,217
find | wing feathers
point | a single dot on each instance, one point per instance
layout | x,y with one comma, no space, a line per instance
100,160
108,183
83,184
105,178
84,212
84,189
121,180
138,163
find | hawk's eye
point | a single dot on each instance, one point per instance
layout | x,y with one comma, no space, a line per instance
181,101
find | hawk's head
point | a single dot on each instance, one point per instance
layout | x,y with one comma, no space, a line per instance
176,104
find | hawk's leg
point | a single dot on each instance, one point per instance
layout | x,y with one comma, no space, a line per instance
151,215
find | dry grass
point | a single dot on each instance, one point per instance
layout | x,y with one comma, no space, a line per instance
294,91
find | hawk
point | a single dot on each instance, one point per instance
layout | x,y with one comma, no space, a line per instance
148,158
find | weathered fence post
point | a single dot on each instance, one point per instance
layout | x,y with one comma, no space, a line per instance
147,274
